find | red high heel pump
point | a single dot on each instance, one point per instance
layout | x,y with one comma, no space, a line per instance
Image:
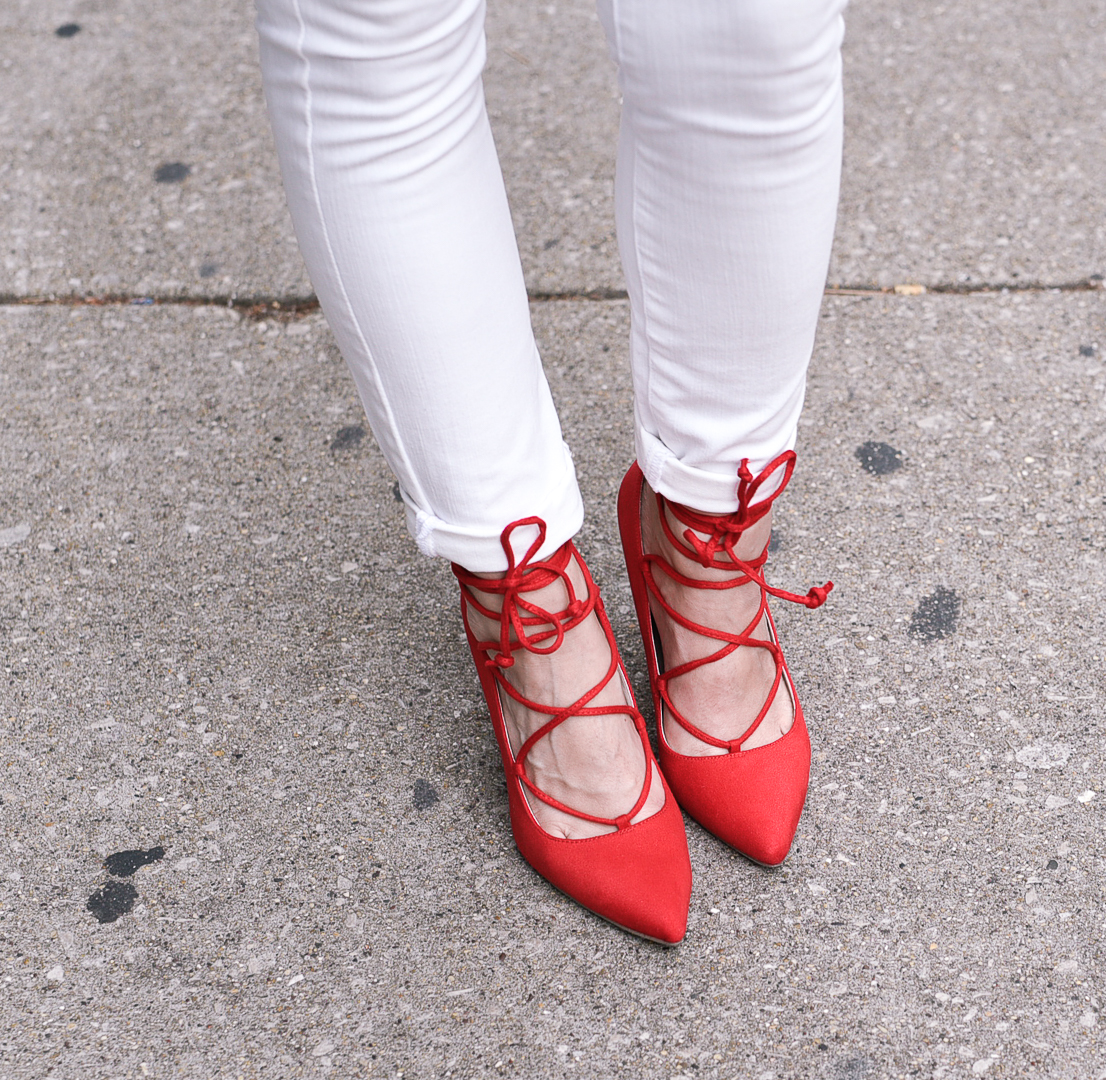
751,799
637,877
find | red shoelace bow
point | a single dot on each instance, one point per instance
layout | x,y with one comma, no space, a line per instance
523,576
723,531
518,615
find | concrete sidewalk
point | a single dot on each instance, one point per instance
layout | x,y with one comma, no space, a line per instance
253,819
971,157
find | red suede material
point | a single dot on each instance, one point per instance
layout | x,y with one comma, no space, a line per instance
638,877
750,799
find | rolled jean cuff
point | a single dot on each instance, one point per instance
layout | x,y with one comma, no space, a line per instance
708,491
480,548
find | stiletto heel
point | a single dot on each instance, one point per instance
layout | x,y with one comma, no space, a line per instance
751,799
637,877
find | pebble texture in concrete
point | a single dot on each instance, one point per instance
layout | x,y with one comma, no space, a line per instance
971,157
973,147
138,158
137,154
219,642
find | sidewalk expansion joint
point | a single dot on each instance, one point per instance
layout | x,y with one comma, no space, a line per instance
287,308
1093,283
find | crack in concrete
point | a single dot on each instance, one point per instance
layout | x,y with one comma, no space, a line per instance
293,307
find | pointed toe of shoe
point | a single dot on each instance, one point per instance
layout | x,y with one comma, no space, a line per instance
750,799
638,878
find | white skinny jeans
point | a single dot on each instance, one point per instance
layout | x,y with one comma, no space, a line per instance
726,195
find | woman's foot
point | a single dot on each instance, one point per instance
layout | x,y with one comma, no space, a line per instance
721,698
590,763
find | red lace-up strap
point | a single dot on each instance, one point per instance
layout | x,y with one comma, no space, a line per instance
524,624
723,531
527,576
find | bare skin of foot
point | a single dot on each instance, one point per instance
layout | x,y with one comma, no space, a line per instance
591,763
722,698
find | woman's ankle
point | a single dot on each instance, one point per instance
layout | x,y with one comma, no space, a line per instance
722,698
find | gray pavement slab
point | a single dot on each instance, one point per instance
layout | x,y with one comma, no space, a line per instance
218,641
971,157
973,146
88,121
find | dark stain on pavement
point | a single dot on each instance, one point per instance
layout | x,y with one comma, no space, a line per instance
426,795
1088,350
879,458
348,437
111,900
936,615
854,1068
208,269
125,863
116,898
68,29
172,172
